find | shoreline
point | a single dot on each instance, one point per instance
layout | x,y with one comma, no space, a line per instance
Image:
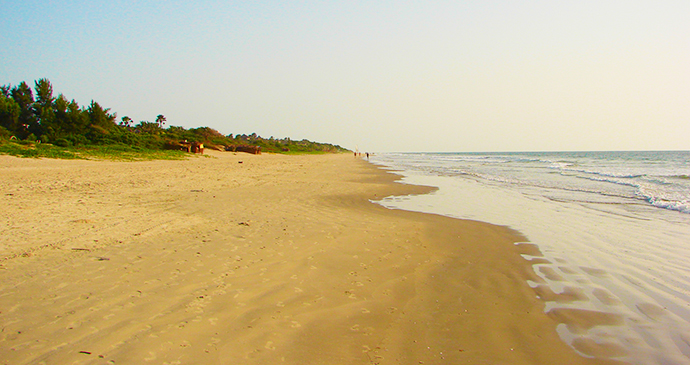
275,259
607,257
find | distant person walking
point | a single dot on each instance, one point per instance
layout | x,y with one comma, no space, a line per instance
367,155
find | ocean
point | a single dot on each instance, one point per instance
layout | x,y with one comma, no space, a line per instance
613,226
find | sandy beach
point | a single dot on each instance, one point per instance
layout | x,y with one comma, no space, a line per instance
243,259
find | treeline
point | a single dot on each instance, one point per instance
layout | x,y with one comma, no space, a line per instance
46,118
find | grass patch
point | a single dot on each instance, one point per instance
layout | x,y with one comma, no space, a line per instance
31,150
129,153
105,152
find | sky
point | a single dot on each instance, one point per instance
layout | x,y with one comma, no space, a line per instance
378,76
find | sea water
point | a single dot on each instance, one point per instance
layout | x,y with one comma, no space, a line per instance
612,225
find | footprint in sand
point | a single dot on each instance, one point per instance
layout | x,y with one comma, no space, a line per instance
298,290
594,272
551,274
295,324
219,292
606,297
652,311
568,270
365,311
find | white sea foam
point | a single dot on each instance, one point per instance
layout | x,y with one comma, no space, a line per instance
623,240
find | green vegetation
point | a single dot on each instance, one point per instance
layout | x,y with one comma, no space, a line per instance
108,152
55,127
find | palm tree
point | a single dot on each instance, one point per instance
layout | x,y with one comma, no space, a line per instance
126,121
160,119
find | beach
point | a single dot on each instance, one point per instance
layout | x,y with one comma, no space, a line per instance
260,259
612,228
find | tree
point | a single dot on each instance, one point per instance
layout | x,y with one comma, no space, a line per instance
148,127
160,120
44,92
24,97
76,121
5,90
67,120
9,111
100,122
44,109
126,121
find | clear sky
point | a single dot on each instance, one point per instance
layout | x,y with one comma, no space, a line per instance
483,75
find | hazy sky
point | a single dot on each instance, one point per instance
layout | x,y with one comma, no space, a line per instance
458,75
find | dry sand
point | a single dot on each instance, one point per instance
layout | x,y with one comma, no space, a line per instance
243,259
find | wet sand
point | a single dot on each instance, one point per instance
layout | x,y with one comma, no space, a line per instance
243,259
